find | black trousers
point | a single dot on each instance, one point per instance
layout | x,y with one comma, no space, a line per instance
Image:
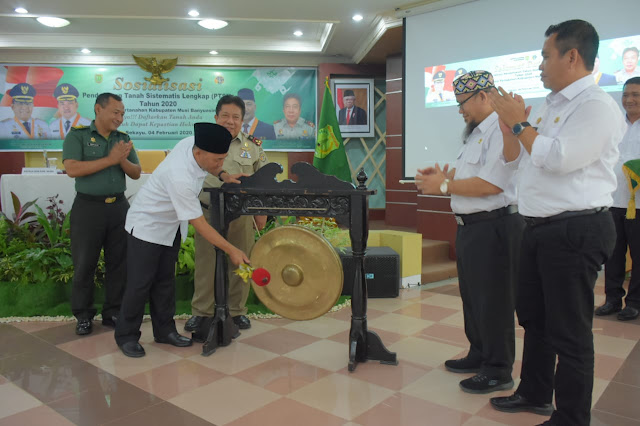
487,254
96,226
150,276
558,270
627,235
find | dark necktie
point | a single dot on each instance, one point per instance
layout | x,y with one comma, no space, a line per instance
67,124
27,126
245,128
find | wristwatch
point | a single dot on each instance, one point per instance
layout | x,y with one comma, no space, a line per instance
518,128
220,174
444,187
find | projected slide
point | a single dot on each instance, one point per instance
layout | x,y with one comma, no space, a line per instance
518,72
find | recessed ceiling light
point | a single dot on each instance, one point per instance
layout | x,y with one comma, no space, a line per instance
213,52
297,33
212,24
357,18
194,13
53,22
85,51
21,10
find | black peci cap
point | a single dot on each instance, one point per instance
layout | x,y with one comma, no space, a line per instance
212,137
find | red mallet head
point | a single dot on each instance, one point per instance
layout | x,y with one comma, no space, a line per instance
261,276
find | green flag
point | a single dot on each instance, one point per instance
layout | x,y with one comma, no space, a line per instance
631,170
330,157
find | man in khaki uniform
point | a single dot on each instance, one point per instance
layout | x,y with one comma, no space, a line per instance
245,157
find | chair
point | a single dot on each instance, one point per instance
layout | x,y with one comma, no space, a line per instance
149,160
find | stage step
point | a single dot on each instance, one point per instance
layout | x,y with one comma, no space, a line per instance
436,265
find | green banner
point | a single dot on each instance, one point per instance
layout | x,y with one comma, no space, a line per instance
39,103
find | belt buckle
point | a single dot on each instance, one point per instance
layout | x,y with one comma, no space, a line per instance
110,200
459,221
531,221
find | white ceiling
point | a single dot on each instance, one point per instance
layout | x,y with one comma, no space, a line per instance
260,32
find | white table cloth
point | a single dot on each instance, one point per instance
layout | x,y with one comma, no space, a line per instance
30,187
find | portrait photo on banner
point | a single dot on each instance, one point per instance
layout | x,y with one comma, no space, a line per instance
353,98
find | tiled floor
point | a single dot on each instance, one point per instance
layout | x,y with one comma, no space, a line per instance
283,372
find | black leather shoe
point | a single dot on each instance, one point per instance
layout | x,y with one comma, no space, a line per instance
132,349
109,321
193,324
242,322
481,383
628,313
608,308
463,365
175,339
84,327
517,403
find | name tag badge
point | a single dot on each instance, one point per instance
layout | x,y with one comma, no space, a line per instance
93,144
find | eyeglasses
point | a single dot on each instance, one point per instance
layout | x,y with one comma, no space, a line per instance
461,104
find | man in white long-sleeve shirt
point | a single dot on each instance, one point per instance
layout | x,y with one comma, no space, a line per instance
627,230
565,184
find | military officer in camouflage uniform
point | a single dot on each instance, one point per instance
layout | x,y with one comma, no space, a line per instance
292,126
22,125
245,157
67,97
99,156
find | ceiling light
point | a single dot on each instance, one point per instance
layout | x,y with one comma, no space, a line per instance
194,13
357,18
213,52
297,33
85,51
212,24
53,22
21,10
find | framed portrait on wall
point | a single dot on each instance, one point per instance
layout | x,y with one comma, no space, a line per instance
353,99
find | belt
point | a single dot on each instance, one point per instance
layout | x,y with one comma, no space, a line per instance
468,219
107,199
537,221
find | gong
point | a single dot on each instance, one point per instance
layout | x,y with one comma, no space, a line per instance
306,272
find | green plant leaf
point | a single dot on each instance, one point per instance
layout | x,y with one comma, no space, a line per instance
16,203
51,231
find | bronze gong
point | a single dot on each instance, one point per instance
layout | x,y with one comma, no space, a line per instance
306,272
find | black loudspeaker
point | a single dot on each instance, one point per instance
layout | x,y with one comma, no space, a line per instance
381,268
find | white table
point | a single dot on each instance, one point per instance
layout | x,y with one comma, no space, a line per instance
30,187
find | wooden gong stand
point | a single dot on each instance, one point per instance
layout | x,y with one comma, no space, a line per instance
314,194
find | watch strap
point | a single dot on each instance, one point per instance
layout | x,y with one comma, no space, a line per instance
518,128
